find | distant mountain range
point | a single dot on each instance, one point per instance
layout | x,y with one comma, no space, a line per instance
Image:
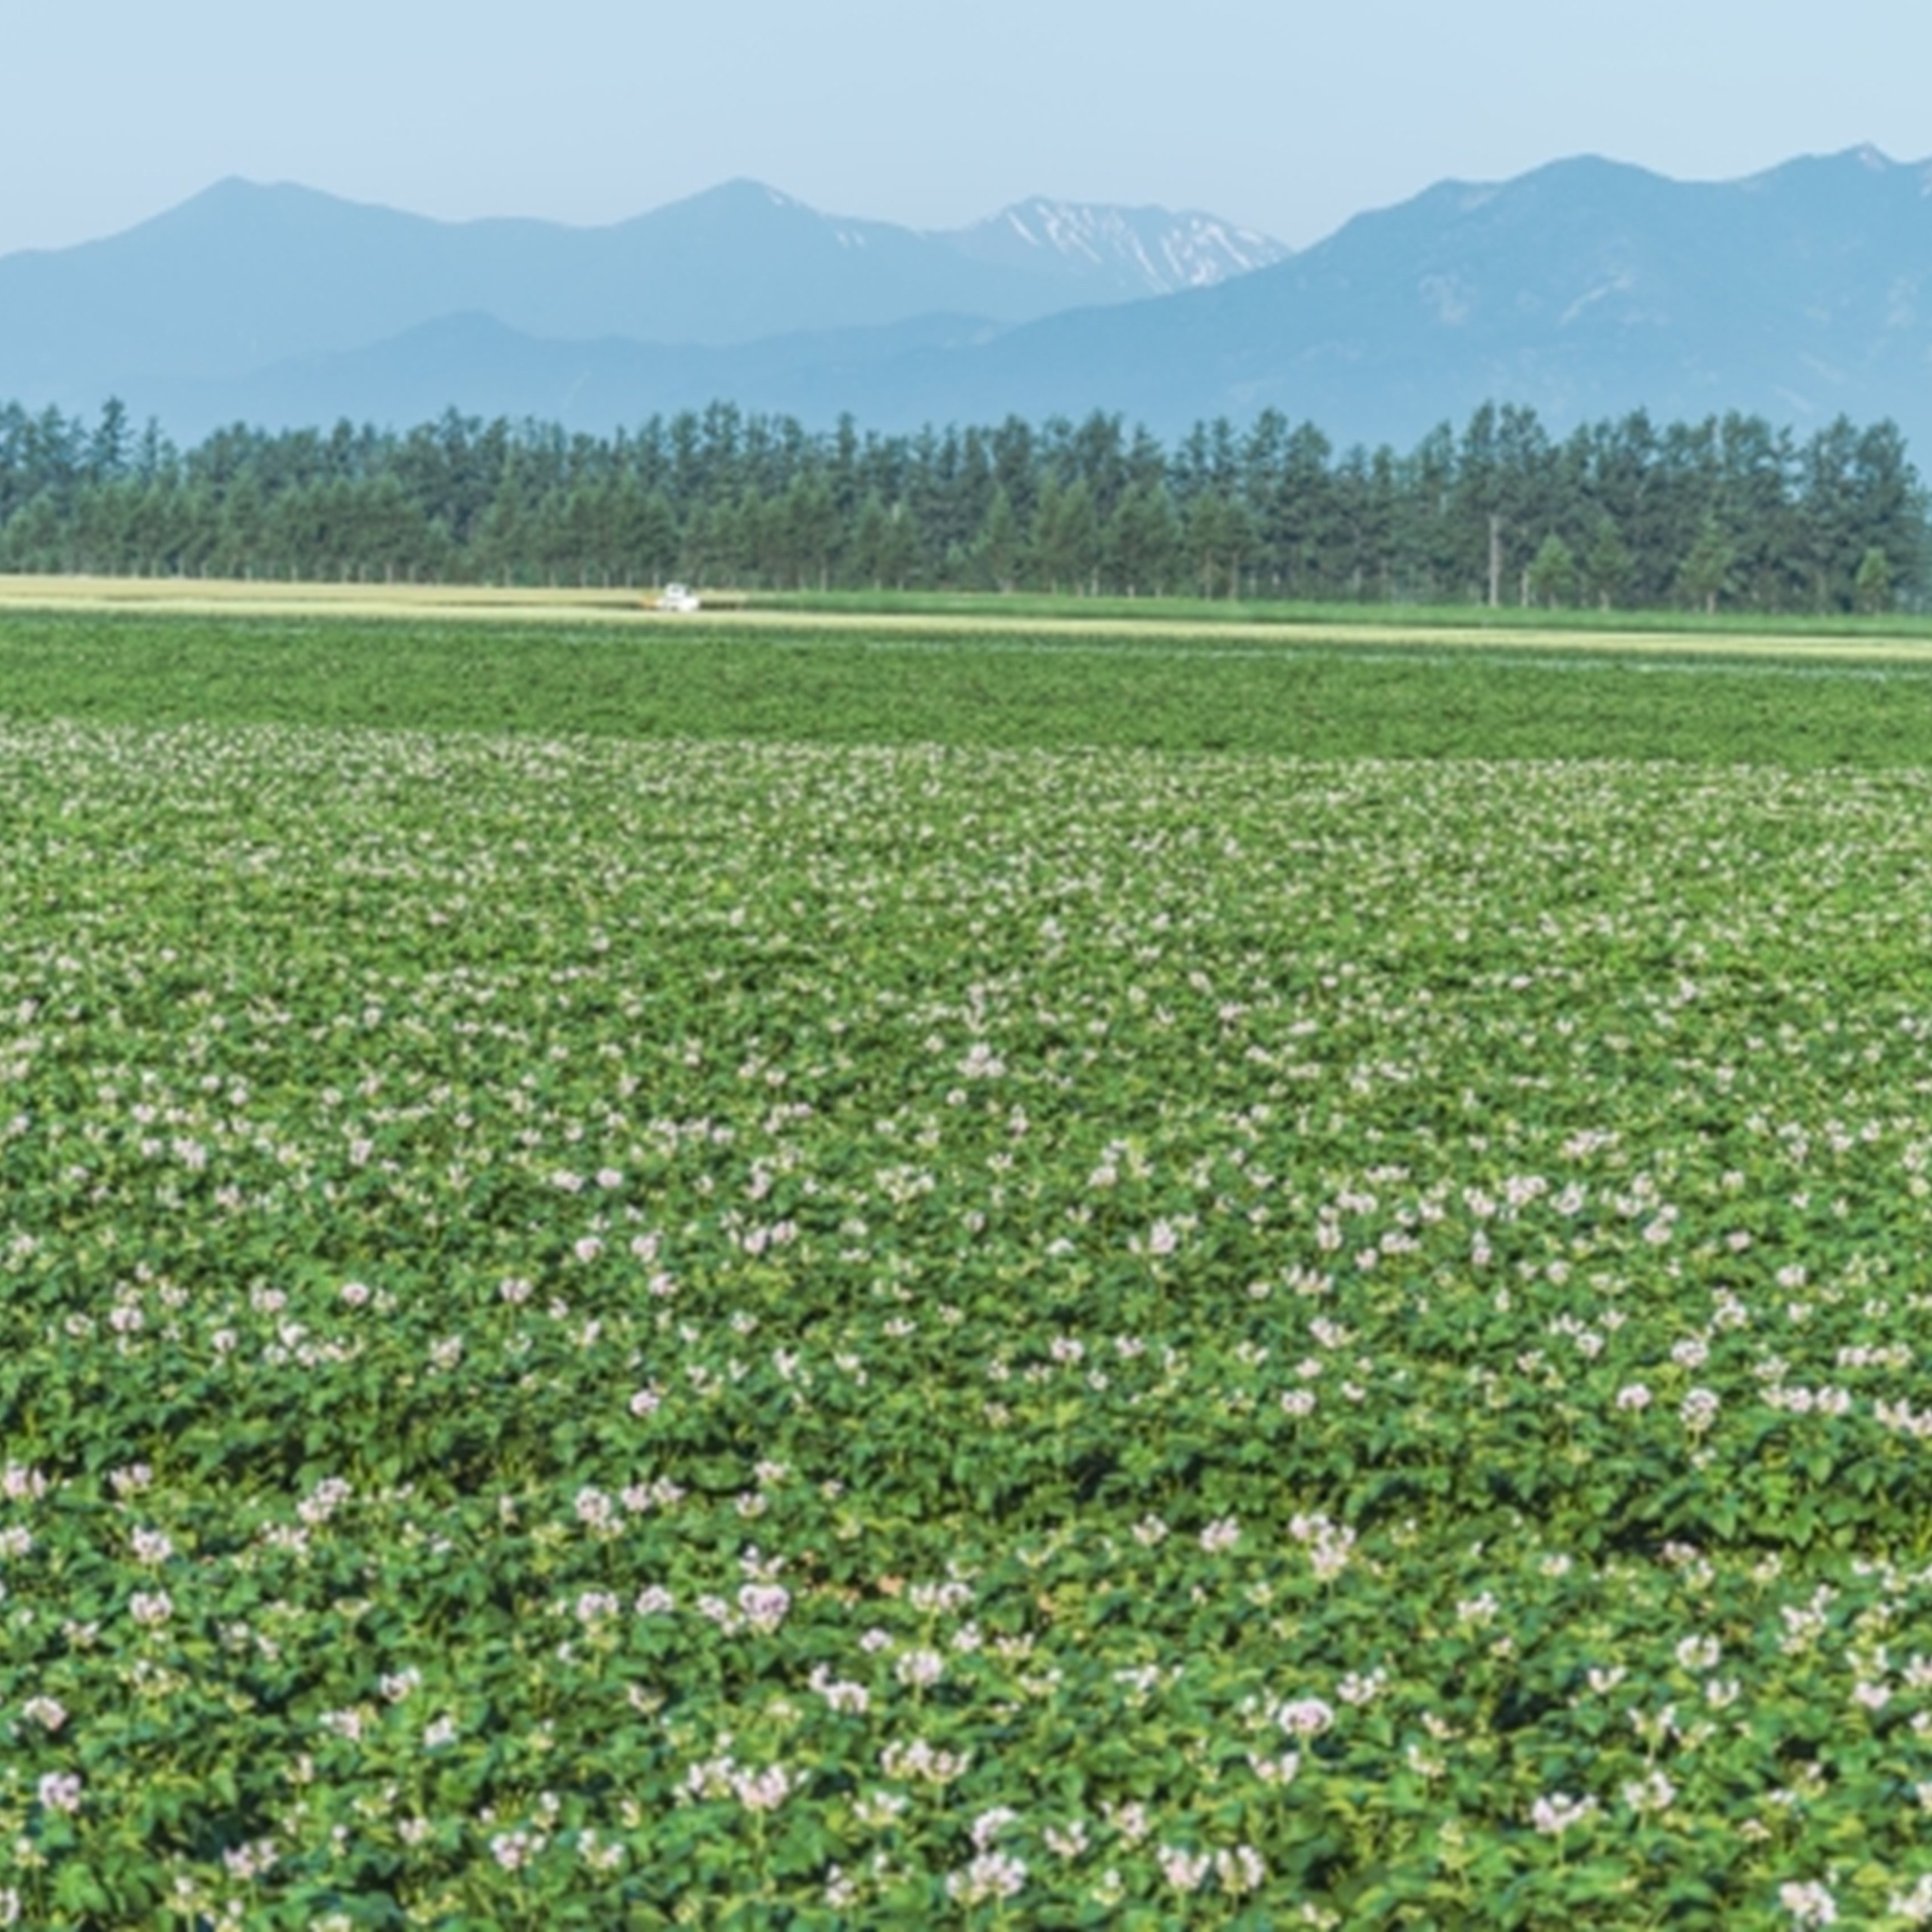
1585,288
244,280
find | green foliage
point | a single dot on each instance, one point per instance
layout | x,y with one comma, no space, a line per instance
606,1332
1703,574
1553,574
1872,590
913,680
1608,567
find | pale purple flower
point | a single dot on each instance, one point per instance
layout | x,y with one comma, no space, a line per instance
60,1791
1305,1717
764,1605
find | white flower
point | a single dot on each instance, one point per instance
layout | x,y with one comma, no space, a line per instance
993,1875
152,1546
1186,1871
250,1861
1809,1903
1559,1813
988,1825
981,1062
840,1696
514,1850
48,1712
1653,1792
1914,1907
60,1791
1699,1652
1699,1410
921,1762
23,1483
878,1809
1329,1545
1241,1870
762,1791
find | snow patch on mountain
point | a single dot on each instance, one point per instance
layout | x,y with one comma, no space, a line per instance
1135,250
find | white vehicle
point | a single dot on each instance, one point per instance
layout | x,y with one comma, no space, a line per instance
677,597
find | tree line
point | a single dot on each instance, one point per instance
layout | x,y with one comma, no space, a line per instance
1731,512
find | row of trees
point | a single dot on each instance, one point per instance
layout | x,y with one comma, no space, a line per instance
1728,512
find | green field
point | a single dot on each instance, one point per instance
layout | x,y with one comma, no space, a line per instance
1315,692
765,1276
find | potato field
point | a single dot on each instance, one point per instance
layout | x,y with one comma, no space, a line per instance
752,1325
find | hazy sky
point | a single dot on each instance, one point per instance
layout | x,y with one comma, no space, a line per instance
1286,115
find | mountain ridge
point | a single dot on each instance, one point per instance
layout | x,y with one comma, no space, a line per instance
1585,287
244,275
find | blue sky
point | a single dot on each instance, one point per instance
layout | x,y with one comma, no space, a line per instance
1286,115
